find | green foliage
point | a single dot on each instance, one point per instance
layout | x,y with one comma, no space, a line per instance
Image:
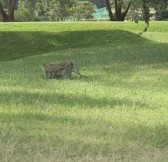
82,10
162,15
56,10
22,13
39,8
4,3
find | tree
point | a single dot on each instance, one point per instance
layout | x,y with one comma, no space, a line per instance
98,3
160,5
9,16
82,10
110,11
23,13
119,14
56,10
161,9
60,10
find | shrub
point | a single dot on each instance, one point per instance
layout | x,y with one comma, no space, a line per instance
162,15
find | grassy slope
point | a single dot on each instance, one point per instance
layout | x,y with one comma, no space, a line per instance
24,39
118,114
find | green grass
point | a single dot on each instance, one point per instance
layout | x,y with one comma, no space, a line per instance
118,114
20,40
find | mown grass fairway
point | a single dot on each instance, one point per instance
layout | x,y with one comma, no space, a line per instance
118,114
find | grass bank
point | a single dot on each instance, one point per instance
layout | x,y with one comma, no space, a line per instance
18,40
119,113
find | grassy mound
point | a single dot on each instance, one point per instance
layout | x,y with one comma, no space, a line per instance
20,40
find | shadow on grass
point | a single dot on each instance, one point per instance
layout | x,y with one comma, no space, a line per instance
23,44
101,130
39,99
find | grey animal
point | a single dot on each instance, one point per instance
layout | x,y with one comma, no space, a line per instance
58,70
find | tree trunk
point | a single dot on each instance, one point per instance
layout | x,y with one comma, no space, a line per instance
109,10
119,16
124,14
10,16
11,9
145,11
4,15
